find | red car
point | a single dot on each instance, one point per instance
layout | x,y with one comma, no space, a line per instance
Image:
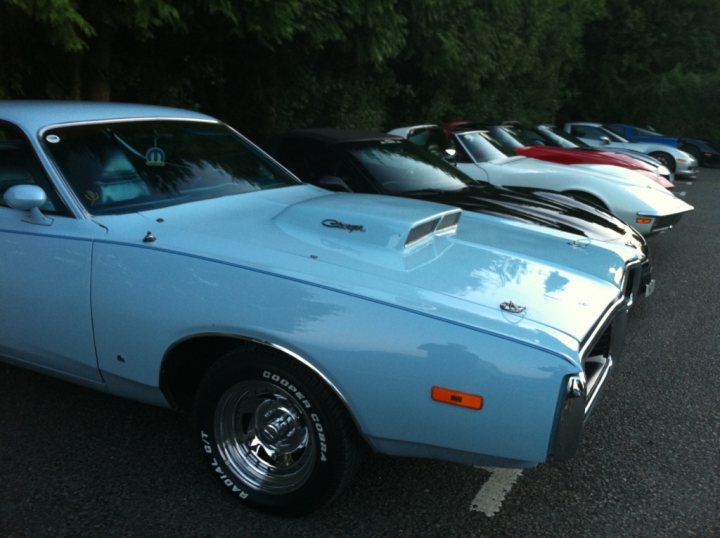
533,143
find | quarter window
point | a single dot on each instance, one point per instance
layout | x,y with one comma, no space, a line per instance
20,166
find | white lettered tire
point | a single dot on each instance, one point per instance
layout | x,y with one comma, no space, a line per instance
276,436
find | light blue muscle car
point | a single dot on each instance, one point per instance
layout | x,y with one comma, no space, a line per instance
156,254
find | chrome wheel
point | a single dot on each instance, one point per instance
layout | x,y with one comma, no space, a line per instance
264,437
274,433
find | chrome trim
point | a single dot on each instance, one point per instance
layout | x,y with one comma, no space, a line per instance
601,326
649,288
629,267
437,231
126,119
242,338
595,385
305,362
576,386
317,372
570,419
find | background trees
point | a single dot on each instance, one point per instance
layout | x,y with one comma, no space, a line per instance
265,65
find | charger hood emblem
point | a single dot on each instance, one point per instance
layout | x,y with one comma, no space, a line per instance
332,223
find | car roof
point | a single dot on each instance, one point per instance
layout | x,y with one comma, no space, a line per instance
35,115
587,123
338,136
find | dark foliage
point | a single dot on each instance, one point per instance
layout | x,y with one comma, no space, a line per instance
265,66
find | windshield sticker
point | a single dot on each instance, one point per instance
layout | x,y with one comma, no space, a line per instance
92,197
155,157
52,139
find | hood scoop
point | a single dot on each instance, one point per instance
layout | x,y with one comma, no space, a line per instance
358,221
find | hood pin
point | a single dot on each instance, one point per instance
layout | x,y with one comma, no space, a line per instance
511,307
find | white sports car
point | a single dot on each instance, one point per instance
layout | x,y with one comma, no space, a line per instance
632,197
684,165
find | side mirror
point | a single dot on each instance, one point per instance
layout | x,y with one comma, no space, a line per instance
333,183
28,198
604,139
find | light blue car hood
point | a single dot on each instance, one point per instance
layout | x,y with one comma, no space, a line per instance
355,244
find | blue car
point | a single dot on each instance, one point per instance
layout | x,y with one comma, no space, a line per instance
156,254
703,152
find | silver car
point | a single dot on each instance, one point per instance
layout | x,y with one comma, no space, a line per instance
684,165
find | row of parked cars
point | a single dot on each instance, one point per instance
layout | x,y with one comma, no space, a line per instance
465,305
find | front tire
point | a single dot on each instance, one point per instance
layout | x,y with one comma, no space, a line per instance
275,435
666,159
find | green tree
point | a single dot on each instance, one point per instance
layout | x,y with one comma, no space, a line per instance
653,62
79,35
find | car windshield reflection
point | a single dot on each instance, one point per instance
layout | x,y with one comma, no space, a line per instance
132,166
398,167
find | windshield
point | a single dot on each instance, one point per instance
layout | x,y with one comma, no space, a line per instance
399,167
646,132
506,139
557,137
481,146
133,166
612,134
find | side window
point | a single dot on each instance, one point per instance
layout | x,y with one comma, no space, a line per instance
20,166
583,131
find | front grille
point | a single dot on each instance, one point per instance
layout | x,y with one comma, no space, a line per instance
646,277
596,366
601,350
635,275
602,345
630,281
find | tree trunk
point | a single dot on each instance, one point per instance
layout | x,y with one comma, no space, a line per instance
98,59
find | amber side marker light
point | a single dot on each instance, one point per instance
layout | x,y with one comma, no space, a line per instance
641,220
455,397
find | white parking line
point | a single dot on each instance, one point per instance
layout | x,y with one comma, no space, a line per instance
493,492
681,194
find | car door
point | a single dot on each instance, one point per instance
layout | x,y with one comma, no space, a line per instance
45,315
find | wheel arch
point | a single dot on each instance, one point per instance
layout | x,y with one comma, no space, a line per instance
659,154
585,196
186,361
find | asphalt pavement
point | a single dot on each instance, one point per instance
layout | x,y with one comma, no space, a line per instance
74,462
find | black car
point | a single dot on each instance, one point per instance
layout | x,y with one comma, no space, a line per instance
370,162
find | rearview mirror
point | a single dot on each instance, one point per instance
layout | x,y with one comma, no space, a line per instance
450,155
